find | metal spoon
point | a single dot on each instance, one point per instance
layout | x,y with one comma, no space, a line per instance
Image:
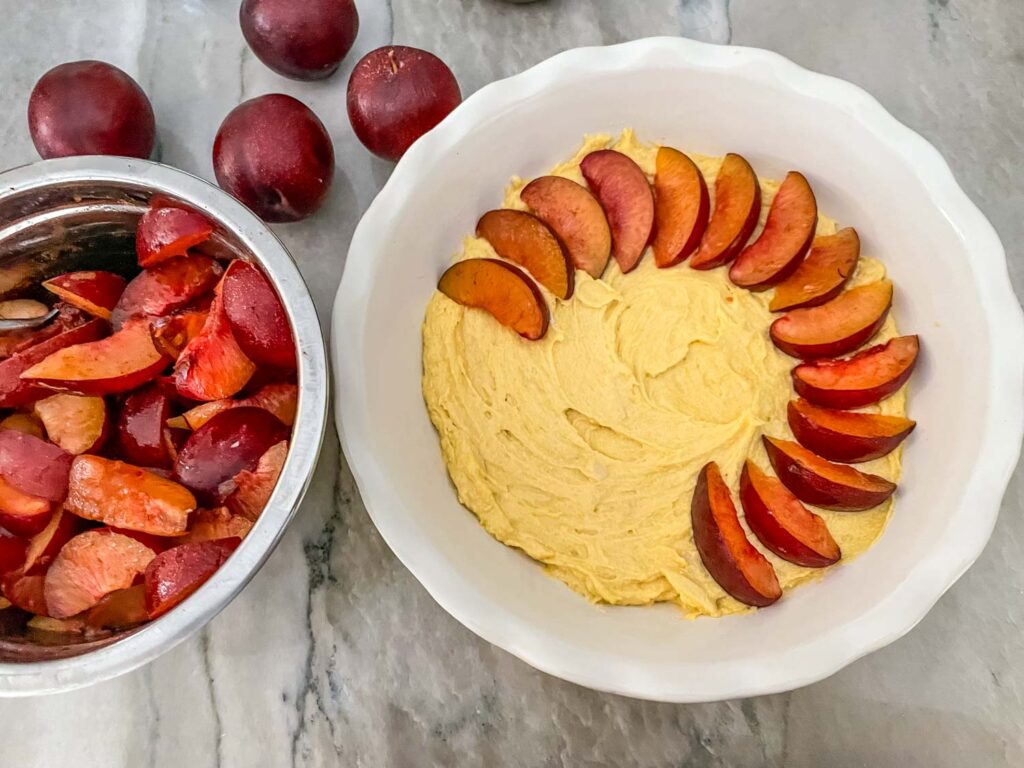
26,323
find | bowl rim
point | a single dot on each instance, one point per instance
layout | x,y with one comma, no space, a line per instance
158,636
826,654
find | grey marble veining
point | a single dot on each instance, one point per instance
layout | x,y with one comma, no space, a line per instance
334,655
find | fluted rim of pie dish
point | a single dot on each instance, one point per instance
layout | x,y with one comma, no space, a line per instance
142,645
907,603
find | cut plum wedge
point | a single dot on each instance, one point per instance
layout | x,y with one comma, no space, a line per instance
119,609
25,591
681,207
576,218
15,391
164,233
177,573
863,379
817,481
723,546
836,327
91,565
76,423
523,238
44,546
94,292
30,511
504,291
822,274
126,496
171,334
621,187
167,287
282,400
12,552
213,366
118,363
782,244
217,523
142,426
844,436
257,316
228,443
33,466
737,209
248,492
26,527
21,421
782,523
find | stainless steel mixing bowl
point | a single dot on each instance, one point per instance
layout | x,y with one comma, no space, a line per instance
80,213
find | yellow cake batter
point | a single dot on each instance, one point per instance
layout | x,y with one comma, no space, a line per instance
582,449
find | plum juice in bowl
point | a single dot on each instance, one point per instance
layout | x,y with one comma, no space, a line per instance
161,412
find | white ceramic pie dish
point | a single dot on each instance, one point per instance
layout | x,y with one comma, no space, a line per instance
869,171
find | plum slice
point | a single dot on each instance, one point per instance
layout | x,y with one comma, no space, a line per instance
26,591
576,218
16,391
248,492
12,552
228,443
126,496
141,428
172,333
782,523
783,243
723,546
119,609
817,481
91,565
257,316
836,327
628,202
22,421
94,292
14,503
844,436
681,207
863,379
176,573
736,211
166,232
33,466
217,523
118,363
822,274
166,287
523,238
77,423
44,546
213,366
504,291
280,399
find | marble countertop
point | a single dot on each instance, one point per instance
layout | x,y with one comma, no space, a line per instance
334,655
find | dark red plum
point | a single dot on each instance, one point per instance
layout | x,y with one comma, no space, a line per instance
396,94
90,108
302,40
274,155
